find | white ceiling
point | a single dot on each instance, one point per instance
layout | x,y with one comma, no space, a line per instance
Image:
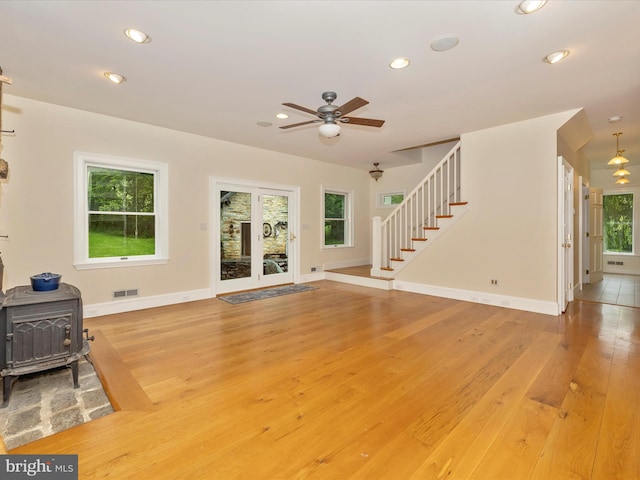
216,68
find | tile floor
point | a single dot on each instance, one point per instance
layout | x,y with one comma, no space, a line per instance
615,289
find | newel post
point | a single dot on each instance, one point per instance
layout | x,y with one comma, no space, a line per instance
376,243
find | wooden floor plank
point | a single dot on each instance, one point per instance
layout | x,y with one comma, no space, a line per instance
515,451
572,443
346,382
617,455
463,449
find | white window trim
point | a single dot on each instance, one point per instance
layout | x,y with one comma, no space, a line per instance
348,240
82,160
636,219
381,195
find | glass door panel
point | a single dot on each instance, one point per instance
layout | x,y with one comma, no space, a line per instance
275,231
235,235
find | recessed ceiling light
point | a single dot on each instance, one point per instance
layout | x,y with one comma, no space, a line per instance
282,116
615,118
529,6
555,57
264,124
443,44
137,36
115,77
399,63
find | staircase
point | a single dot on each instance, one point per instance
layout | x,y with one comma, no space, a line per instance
432,207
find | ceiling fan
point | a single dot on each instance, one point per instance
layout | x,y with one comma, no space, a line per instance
331,115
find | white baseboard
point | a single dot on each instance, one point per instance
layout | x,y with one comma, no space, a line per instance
517,303
131,304
312,277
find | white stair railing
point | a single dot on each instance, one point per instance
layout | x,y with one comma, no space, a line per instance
419,211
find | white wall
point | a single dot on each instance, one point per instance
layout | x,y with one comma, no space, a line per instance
36,202
509,178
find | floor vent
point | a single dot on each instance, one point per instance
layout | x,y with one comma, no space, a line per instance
125,293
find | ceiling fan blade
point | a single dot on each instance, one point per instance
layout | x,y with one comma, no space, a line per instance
369,122
300,124
352,105
298,107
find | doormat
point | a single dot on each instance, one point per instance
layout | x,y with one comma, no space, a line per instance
267,293
45,403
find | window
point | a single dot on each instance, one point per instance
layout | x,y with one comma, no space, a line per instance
120,210
337,218
390,199
618,223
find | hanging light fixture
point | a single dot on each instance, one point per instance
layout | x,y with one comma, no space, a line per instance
621,172
376,173
622,180
618,159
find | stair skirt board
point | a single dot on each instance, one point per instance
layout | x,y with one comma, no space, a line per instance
421,243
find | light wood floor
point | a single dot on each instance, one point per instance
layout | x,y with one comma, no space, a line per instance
347,382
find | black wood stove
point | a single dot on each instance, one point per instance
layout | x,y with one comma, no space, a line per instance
42,330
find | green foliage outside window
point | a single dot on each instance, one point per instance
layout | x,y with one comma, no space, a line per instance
392,199
618,223
334,218
121,213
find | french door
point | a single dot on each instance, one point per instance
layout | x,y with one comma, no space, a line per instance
254,237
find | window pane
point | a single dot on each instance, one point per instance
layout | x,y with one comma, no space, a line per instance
113,190
618,223
121,235
334,205
334,232
392,199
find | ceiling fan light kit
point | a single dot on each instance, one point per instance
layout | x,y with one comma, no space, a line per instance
329,130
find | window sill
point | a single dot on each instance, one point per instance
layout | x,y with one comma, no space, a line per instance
120,263
334,247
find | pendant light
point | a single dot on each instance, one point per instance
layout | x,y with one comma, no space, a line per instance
622,180
621,172
618,159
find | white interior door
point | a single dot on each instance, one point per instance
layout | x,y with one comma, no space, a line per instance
585,236
596,243
253,237
566,236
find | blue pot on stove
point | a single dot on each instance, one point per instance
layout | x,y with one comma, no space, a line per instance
45,282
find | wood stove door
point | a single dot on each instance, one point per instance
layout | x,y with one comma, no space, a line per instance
36,333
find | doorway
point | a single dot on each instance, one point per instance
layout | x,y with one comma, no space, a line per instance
253,241
565,234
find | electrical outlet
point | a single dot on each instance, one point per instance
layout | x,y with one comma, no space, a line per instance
494,282
313,269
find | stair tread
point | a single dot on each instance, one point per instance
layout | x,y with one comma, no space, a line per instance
397,259
388,269
444,216
458,203
407,249
418,239
431,228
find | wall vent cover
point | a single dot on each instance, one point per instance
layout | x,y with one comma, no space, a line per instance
125,293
